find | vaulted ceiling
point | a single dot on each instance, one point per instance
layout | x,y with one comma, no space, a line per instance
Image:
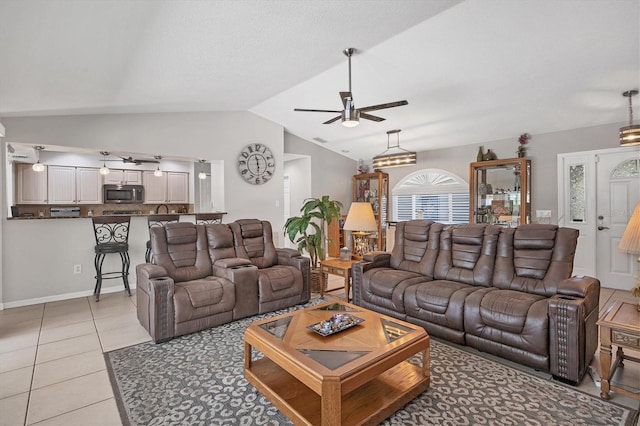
472,71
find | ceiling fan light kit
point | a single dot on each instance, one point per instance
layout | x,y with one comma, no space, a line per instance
350,118
397,159
350,115
630,135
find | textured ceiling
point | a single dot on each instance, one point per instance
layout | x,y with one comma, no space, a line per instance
472,71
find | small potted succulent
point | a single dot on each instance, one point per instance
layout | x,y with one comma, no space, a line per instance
523,140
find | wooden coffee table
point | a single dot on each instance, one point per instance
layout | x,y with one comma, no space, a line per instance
356,376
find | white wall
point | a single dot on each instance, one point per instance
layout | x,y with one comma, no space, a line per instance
327,170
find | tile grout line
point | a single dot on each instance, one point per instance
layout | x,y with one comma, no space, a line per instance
72,411
33,370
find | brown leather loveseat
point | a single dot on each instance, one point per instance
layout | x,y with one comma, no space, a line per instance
206,275
505,291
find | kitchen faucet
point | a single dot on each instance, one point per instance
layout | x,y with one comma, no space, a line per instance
166,208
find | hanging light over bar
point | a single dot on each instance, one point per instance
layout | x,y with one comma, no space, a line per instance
397,159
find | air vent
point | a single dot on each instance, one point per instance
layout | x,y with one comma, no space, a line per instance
18,156
320,140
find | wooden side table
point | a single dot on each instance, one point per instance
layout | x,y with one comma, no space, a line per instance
619,325
337,267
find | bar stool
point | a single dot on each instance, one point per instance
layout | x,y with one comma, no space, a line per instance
112,236
206,218
158,220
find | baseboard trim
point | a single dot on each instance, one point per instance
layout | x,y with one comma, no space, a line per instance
58,297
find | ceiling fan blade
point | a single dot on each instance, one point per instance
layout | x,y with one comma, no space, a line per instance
316,110
131,160
371,117
344,96
383,106
333,119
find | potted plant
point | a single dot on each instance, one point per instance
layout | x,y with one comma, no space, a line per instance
307,231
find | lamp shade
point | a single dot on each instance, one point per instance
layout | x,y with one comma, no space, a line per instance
360,218
630,241
630,135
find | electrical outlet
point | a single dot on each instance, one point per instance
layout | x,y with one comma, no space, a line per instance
77,269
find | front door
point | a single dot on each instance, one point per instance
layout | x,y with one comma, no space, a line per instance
618,192
597,192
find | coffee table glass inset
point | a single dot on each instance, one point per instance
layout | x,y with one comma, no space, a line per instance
356,376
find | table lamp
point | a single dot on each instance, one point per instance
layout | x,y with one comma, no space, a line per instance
630,242
361,221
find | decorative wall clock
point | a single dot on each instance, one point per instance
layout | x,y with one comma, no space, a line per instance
256,163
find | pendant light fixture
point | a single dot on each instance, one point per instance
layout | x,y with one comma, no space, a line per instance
202,174
157,172
630,135
104,170
398,159
38,166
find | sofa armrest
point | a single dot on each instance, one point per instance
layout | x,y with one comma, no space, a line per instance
573,332
147,271
154,293
232,262
287,253
371,260
377,257
578,286
293,258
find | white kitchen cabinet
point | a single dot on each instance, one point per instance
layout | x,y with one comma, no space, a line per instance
31,185
74,185
177,187
88,186
61,184
171,187
123,177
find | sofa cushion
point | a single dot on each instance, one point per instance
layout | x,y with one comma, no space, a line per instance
220,239
438,302
182,249
512,318
278,282
416,246
202,298
253,239
384,287
534,258
467,254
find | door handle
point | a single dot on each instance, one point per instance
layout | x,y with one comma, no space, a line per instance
600,228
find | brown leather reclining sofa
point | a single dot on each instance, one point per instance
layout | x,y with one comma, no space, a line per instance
206,275
505,291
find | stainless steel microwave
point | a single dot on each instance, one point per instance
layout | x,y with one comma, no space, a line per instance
122,194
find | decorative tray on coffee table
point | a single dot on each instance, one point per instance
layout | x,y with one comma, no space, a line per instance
335,324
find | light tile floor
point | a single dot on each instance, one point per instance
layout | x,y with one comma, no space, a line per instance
52,371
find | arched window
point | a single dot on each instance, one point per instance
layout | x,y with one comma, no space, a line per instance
432,194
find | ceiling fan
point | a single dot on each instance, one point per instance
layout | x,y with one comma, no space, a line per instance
130,159
351,115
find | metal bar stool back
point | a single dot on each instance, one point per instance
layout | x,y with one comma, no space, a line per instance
158,220
112,236
206,218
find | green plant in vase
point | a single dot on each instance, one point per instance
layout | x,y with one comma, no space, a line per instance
307,231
